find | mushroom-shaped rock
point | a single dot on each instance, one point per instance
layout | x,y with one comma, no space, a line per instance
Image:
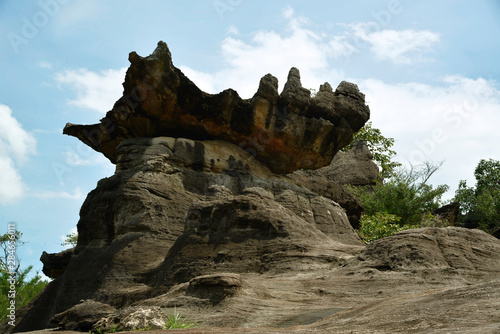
286,131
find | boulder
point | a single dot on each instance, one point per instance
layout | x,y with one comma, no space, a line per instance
82,316
462,252
55,264
448,214
134,318
286,131
354,167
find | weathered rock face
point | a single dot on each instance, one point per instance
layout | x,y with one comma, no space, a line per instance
286,131
451,251
448,214
205,227
208,204
354,167
55,264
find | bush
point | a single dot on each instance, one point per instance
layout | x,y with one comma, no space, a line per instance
380,225
176,320
380,147
406,195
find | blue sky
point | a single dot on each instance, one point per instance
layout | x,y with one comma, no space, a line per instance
429,70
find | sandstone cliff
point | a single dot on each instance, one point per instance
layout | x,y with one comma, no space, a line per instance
207,214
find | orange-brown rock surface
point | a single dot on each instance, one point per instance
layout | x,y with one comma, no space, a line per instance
286,131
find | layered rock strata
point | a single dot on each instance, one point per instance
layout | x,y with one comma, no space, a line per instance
177,209
211,227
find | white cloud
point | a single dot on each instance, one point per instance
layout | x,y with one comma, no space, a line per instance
11,186
14,140
454,120
399,46
271,52
84,157
96,91
402,47
15,146
76,195
44,64
341,47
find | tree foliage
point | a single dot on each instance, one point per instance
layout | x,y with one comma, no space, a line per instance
380,225
25,288
380,147
4,245
480,205
70,240
406,194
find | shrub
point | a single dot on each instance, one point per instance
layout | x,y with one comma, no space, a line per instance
380,147
406,195
380,225
178,321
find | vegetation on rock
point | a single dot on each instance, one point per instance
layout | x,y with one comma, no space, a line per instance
176,320
380,147
406,194
380,225
70,240
405,200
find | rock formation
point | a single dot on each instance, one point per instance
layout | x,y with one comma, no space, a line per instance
448,214
210,226
354,167
286,131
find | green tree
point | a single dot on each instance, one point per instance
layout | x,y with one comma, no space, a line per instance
25,289
70,240
380,147
406,194
5,246
480,205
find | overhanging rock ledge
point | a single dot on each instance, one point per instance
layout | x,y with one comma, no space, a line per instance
286,131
